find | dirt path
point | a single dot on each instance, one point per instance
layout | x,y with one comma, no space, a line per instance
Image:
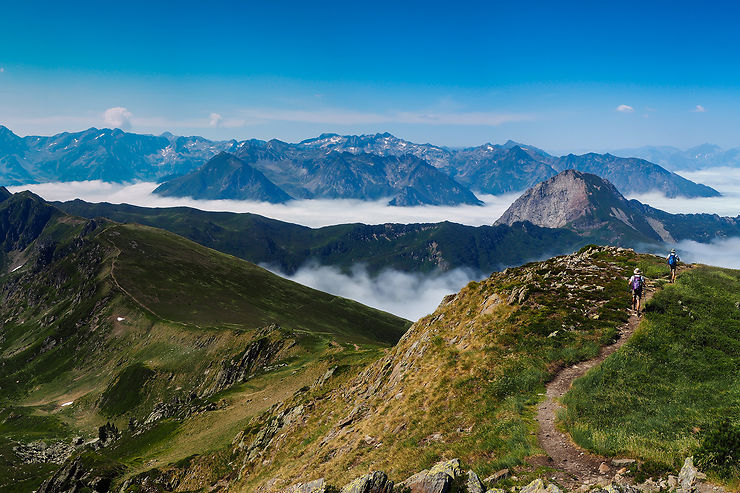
576,466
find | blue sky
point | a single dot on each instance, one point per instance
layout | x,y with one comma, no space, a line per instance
552,74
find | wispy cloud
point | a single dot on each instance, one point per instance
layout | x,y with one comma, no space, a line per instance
118,117
349,117
624,108
699,109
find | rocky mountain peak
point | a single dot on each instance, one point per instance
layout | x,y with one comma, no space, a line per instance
587,204
562,199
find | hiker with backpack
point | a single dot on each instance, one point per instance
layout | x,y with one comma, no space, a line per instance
637,283
673,259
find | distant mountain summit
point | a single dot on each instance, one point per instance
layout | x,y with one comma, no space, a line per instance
224,177
274,172
330,165
593,207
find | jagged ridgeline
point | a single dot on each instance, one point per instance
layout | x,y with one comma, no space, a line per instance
128,347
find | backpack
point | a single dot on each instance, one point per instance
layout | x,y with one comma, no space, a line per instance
672,260
636,283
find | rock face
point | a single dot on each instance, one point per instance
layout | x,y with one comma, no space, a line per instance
474,484
376,482
687,478
538,486
593,207
84,473
435,480
315,486
568,198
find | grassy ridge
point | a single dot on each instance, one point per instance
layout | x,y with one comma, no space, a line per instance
465,381
677,376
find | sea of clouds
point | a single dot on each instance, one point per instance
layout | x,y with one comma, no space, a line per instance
725,180
313,213
406,294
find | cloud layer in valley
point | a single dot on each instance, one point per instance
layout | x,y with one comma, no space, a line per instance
725,180
723,252
313,213
404,294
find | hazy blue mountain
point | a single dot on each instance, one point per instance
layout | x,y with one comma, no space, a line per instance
100,154
224,177
316,173
497,169
693,158
634,175
324,166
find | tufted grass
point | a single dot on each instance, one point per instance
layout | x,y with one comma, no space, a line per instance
677,377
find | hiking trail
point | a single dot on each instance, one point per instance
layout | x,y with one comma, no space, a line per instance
574,465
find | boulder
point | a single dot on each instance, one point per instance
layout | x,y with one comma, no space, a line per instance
687,478
315,486
438,479
375,482
474,484
538,486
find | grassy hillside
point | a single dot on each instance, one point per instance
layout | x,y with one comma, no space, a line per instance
181,281
463,382
671,387
176,345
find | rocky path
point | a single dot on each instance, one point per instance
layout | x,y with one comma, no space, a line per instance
576,466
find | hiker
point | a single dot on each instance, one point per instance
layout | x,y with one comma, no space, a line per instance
636,283
673,259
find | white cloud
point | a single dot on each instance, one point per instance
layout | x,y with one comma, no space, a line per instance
117,117
408,295
313,213
623,108
699,109
725,180
2,69
214,120
348,117
721,252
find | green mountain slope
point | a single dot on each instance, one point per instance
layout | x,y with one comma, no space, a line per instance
674,382
407,247
462,382
175,344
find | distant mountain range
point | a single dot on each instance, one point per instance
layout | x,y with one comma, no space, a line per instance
693,158
329,166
